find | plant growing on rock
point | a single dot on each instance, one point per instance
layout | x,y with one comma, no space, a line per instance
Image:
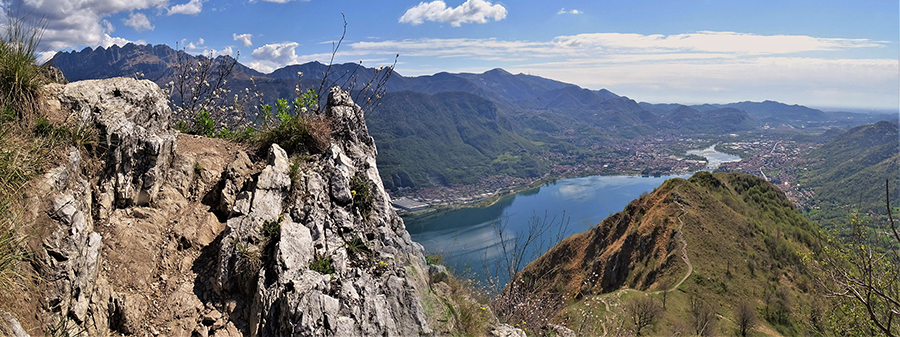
298,129
361,189
322,264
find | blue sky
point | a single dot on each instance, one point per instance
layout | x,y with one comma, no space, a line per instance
816,53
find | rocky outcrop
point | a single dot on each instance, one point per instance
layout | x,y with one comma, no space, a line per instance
313,260
141,239
138,143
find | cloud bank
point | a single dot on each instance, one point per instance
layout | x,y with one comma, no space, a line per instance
478,11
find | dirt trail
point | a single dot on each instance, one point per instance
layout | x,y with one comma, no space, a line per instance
679,235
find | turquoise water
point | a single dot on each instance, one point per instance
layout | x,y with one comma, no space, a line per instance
468,239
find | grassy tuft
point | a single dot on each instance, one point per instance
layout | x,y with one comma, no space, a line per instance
20,77
361,188
322,264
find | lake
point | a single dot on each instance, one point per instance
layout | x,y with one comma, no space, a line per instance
468,239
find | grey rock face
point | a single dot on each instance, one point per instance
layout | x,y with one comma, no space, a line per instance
368,272
506,330
72,251
133,118
137,146
11,326
298,254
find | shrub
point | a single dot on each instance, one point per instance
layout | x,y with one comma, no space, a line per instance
322,264
361,188
358,248
298,131
431,259
205,125
271,230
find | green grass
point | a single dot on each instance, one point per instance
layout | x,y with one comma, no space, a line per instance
20,78
322,264
361,188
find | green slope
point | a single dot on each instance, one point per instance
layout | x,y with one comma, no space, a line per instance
744,241
848,173
447,138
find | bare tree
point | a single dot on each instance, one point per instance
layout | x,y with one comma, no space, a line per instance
745,317
199,82
643,312
703,316
664,286
519,248
367,92
864,281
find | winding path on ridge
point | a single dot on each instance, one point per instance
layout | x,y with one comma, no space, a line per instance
679,235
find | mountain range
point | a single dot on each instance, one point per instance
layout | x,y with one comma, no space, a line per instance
446,129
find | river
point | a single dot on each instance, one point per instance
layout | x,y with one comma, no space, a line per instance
714,158
468,239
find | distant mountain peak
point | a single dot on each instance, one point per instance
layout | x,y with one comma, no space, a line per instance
498,71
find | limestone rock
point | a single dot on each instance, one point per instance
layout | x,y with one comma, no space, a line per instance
505,330
208,243
561,331
234,179
11,326
368,292
133,118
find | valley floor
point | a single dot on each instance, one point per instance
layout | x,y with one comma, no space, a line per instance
774,158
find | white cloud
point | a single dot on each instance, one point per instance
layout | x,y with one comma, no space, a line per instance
244,38
108,27
859,82
274,55
72,23
478,11
45,56
719,42
472,48
279,1
191,8
227,51
564,11
685,68
107,41
599,46
193,45
137,21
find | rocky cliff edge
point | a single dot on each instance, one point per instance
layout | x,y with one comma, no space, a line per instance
154,233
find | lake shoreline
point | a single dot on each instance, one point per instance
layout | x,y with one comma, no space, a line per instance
437,208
